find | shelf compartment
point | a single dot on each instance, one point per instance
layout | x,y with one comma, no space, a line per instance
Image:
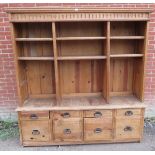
126,77
125,55
33,30
35,58
81,29
81,77
127,28
80,38
81,48
81,57
127,37
126,46
34,39
34,49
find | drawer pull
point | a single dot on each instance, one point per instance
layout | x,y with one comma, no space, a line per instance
98,130
128,128
97,114
65,115
128,113
35,132
33,116
67,131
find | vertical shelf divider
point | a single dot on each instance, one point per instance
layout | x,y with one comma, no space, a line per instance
108,61
57,83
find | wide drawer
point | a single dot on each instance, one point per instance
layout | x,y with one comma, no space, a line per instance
96,129
128,113
35,131
98,113
68,129
128,128
66,114
34,115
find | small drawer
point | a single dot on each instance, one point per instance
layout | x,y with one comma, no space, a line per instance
37,131
66,114
128,112
128,128
34,115
68,130
97,129
98,113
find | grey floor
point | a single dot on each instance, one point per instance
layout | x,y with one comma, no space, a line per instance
148,144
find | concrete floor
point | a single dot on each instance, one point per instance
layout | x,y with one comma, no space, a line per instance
148,144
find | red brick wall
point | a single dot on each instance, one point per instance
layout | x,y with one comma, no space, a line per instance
8,90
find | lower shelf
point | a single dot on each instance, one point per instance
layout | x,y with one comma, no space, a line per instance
80,103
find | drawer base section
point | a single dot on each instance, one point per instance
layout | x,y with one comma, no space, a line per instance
81,127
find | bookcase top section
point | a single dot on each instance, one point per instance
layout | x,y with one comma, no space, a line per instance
56,14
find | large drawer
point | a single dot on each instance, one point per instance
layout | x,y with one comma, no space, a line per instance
34,115
68,130
35,130
128,128
96,129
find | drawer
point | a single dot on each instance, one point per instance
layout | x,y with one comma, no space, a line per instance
37,131
128,128
98,113
34,115
97,129
67,114
68,130
128,112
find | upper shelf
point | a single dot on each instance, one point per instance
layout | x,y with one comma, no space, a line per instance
80,38
34,39
127,37
81,57
35,58
125,55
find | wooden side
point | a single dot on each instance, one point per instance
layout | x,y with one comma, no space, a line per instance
139,68
57,82
20,71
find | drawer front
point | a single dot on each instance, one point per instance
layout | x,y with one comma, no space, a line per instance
37,131
34,115
128,112
68,130
98,113
66,114
128,128
96,129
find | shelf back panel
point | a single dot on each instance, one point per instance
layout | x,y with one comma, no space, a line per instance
81,76
40,77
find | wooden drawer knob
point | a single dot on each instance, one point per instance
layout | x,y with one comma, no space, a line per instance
65,115
67,131
33,116
128,113
98,130
128,128
35,132
97,114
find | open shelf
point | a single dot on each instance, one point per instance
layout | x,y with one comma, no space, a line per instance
81,57
34,39
35,58
80,38
127,37
125,55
